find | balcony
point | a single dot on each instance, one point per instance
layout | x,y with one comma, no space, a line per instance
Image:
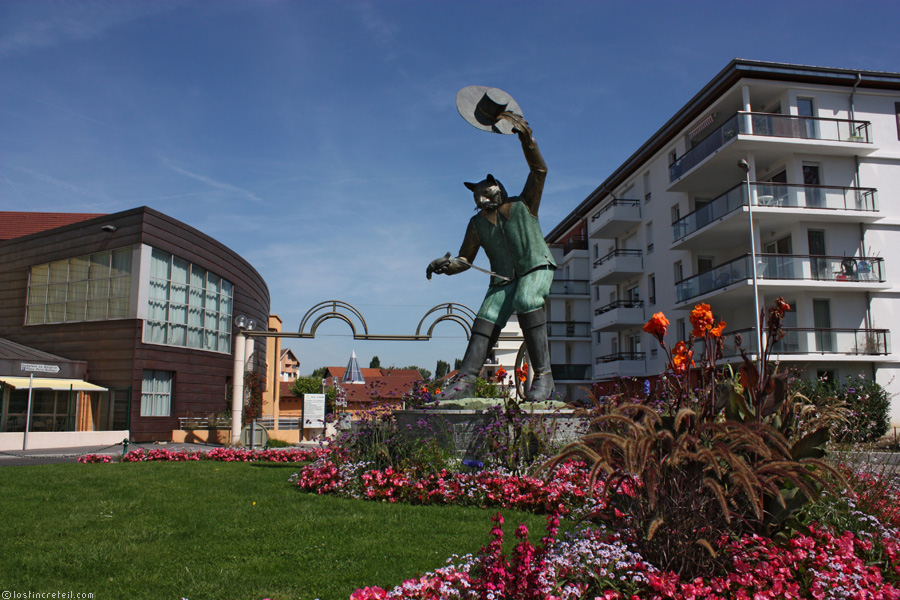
568,329
570,287
619,315
571,372
620,364
615,218
812,342
789,271
576,242
767,135
717,224
617,266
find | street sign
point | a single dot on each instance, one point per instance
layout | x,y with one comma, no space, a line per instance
38,368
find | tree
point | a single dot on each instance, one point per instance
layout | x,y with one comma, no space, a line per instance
319,373
457,363
375,363
441,369
306,385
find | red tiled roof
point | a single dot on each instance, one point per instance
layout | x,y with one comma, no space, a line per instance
18,224
374,373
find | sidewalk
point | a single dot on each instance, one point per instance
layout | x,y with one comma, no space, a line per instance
69,455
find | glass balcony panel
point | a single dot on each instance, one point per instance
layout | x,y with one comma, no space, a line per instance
770,125
850,342
568,329
570,287
571,372
782,266
728,202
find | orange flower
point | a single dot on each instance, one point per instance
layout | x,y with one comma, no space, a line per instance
522,372
657,326
782,307
717,330
500,375
702,320
682,358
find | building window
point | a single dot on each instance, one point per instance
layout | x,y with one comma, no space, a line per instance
156,393
188,306
649,233
50,411
676,213
93,287
678,271
651,287
680,331
647,195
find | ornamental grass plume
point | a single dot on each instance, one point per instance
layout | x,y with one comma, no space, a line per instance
685,475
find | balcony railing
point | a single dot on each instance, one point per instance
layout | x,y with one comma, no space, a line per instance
798,340
571,372
781,195
617,356
615,254
782,266
576,242
568,329
619,304
570,287
773,125
615,202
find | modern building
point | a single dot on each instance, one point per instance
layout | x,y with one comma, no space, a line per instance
143,302
774,180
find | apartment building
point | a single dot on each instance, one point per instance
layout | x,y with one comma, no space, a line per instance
774,180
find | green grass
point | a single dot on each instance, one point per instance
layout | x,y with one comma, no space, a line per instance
167,530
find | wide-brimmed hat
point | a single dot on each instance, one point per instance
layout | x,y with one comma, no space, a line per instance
481,107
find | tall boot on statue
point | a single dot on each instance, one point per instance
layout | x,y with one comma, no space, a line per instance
534,329
484,335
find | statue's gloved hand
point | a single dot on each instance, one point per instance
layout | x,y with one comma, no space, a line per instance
438,265
448,265
520,126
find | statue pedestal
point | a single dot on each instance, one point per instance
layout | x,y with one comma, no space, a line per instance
463,425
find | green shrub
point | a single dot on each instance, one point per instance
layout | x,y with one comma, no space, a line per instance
867,406
273,443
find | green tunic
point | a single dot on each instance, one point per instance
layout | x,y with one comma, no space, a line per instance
516,249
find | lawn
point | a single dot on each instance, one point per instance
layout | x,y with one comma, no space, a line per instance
215,530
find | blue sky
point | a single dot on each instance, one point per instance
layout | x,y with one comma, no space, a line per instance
320,140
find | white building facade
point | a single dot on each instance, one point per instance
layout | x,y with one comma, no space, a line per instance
775,180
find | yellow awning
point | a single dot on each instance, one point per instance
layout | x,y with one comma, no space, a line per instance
49,383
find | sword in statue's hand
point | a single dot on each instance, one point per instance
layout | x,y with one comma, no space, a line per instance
449,257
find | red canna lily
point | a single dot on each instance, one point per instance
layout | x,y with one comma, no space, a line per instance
657,326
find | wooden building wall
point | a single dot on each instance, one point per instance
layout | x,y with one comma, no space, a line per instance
114,350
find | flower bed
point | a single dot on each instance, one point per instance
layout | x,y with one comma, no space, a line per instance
293,455
566,491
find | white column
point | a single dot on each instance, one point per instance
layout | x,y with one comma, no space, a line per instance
745,98
237,387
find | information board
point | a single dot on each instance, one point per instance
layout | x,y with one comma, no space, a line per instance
313,411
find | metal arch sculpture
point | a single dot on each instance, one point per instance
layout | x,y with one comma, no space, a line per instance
334,314
346,312
465,317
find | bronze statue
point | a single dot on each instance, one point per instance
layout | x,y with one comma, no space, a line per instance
508,230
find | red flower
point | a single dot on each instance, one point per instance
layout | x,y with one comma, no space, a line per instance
682,358
500,375
657,326
522,372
